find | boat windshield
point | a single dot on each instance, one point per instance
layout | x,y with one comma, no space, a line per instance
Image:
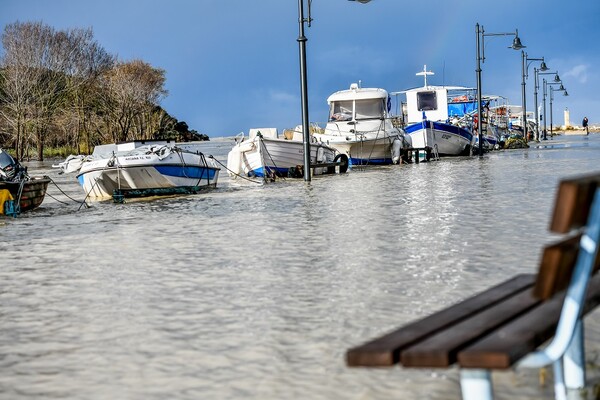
369,109
365,109
341,111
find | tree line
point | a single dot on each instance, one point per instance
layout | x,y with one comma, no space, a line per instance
61,88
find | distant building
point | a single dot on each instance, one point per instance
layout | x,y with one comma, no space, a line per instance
567,118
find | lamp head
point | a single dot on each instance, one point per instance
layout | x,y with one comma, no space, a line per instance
561,87
556,78
517,45
361,1
543,66
566,94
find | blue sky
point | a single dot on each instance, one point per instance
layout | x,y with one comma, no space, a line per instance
232,65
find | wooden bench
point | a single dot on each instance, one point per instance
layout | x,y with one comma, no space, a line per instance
504,326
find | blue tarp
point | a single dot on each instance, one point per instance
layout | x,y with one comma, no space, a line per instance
460,109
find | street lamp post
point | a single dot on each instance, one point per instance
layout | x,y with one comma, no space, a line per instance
481,59
536,86
545,94
304,87
303,81
552,90
536,112
525,62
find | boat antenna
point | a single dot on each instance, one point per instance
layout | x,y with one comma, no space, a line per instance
444,74
424,73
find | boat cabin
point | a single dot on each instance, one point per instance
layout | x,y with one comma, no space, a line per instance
439,103
358,103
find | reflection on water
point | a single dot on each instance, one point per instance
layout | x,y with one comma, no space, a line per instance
255,291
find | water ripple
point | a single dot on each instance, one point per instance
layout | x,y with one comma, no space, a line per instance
255,291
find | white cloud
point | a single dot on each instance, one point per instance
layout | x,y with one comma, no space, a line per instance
579,72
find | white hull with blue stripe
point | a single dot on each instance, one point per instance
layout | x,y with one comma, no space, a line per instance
447,139
262,156
429,110
146,167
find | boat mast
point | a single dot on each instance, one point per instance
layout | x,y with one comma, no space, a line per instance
424,73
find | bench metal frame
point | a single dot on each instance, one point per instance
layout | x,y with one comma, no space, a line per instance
566,351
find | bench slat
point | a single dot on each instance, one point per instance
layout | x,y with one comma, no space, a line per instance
557,265
506,346
440,350
385,351
573,200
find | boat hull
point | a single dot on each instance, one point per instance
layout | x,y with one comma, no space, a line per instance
32,194
102,178
364,151
264,157
449,140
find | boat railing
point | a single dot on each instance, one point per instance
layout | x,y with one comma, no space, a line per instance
239,138
339,130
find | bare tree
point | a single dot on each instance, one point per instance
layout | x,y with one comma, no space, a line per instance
62,87
134,87
21,72
84,79
46,73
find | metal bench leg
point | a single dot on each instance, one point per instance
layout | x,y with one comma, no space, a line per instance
574,360
560,392
476,384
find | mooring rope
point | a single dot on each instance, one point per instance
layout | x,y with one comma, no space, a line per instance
19,194
66,195
234,173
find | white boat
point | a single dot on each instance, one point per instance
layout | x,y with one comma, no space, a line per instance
360,126
264,154
143,168
428,118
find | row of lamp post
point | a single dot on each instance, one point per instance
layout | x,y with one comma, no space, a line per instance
544,93
525,63
552,90
481,59
481,34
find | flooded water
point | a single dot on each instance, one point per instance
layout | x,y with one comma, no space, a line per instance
256,291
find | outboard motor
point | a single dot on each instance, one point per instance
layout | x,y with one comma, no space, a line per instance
10,170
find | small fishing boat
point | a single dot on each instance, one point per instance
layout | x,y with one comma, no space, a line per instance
264,154
143,168
18,191
430,123
360,127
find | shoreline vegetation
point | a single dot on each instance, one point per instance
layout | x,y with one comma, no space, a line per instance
60,90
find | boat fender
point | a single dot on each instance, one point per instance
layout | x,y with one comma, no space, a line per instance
396,146
234,162
320,154
343,160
